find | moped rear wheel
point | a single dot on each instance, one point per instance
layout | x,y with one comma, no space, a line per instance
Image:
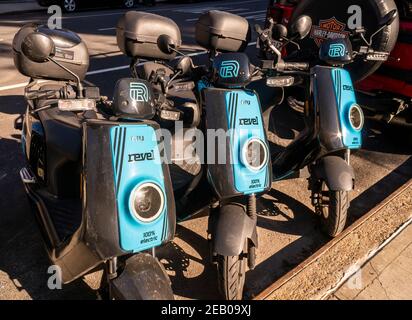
333,210
231,272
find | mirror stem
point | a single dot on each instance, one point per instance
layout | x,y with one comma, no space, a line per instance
79,83
373,35
177,51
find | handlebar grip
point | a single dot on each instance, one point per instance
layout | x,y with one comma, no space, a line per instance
258,29
295,66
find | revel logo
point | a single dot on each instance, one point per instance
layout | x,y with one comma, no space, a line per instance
337,50
139,92
249,121
136,157
229,69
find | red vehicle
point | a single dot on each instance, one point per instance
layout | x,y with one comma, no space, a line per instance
391,82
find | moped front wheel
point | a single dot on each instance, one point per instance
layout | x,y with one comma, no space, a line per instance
231,276
333,210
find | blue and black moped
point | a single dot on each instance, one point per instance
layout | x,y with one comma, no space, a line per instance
101,193
333,118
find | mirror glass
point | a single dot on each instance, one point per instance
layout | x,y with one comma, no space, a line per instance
389,18
279,31
184,65
166,44
38,47
301,27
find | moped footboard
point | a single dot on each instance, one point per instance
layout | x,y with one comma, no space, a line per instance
340,117
238,154
129,199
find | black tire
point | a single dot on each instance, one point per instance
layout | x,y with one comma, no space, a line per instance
373,11
69,6
231,276
333,216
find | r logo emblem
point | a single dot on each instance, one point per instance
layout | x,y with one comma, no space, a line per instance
337,50
139,92
229,69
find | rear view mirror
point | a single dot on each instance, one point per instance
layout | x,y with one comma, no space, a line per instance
184,65
38,47
301,27
389,18
386,21
279,31
166,44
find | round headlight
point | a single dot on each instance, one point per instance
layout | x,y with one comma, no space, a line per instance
147,202
356,117
255,154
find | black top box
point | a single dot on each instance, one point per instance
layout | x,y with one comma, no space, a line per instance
137,33
222,31
71,52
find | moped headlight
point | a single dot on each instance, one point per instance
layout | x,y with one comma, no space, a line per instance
147,202
356,117
254,154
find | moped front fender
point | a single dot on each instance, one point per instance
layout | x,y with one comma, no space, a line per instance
336,172
232,227
143,278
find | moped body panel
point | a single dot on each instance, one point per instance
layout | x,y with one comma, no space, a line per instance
231,70
238,114
345,96
333,97
104,225
329,129
336,51
136,160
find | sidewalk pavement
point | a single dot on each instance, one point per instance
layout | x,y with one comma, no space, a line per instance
387,276
14,6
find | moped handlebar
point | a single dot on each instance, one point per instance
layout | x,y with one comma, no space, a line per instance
292,66
48,94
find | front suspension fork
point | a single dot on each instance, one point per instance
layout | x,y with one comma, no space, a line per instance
316,186
252,213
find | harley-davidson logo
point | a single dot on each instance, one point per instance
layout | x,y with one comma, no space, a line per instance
328,29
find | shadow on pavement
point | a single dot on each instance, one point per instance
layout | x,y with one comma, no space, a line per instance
177,263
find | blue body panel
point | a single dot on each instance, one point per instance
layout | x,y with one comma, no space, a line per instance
345,96
128,140
240,105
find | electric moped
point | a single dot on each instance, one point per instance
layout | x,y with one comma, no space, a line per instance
100,191
333,119
227,186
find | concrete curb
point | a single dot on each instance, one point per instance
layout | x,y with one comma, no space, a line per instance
325,271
